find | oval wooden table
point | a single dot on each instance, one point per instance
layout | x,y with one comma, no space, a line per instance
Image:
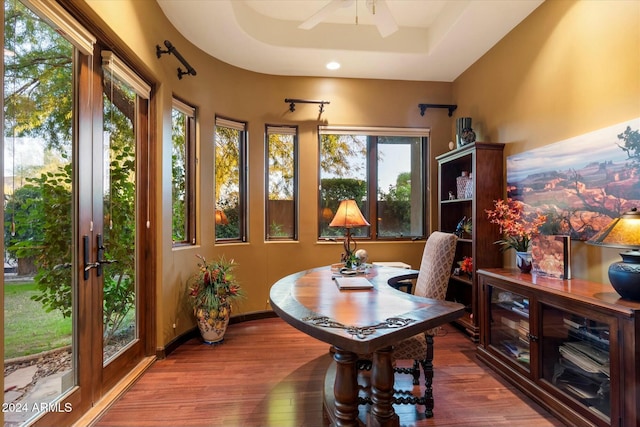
362,321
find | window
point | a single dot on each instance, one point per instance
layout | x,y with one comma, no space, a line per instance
183,162
281,182
230,180
358,163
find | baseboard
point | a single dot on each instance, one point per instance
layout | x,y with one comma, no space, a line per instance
256,315
95,412
163,352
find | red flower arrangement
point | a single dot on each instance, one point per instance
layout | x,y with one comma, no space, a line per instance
517,226
466,265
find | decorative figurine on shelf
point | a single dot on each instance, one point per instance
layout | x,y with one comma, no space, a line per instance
464,133
458,231
467,227
468,135
451,195
361,256
464,226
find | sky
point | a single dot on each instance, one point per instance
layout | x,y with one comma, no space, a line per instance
575,152
24,152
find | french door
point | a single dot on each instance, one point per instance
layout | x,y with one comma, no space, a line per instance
76,216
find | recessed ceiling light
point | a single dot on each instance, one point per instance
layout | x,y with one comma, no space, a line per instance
333,65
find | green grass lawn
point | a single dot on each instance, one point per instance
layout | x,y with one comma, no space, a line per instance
28,328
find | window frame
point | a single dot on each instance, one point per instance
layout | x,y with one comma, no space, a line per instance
372,134
282,130
190,170
243,193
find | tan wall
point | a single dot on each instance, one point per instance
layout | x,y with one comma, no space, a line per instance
570,68
136,27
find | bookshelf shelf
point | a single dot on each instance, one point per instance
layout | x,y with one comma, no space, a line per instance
482,164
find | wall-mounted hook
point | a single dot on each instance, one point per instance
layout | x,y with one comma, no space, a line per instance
423,108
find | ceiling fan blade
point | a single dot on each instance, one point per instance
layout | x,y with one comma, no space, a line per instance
384,18
324,13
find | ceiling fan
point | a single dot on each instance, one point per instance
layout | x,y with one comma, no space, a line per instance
379,9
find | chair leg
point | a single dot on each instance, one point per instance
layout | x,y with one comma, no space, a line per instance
416,372
427,367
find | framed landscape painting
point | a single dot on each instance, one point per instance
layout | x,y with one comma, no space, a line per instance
551,256
581,183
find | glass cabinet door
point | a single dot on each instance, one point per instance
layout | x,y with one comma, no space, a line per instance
509,325
575,358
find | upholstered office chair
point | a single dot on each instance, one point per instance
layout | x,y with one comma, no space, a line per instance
432,282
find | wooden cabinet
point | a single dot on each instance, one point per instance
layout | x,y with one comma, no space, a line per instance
484,163
571,345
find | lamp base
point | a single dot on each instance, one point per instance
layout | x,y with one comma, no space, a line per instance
625,275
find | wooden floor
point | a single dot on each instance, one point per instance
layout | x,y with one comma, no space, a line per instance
267,374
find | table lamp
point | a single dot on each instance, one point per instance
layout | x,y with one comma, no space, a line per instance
221,218
623,232
348,216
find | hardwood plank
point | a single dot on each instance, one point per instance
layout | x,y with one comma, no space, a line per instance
268,374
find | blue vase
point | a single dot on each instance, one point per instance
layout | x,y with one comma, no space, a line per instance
523,261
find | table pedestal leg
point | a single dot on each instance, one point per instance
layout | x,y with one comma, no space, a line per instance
345,388
382,380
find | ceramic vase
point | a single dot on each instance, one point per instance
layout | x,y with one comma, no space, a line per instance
213,324
523,261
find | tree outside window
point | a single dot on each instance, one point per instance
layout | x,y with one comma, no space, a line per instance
183,173
39,209
388,163
281,166
400,187
230,179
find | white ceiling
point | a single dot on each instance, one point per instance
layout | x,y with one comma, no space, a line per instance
436,40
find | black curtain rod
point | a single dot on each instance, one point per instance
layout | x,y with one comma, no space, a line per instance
172,49
292,103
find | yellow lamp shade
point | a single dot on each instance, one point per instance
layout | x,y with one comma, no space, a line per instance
623,232
348,216
221,218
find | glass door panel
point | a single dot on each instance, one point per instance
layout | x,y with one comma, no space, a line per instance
40,340
509,325
576,359
117,246
71,237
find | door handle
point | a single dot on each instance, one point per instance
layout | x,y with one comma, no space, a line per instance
87,265
101,261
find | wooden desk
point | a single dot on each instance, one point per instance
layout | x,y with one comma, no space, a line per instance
358,322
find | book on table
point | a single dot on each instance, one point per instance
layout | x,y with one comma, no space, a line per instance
353,283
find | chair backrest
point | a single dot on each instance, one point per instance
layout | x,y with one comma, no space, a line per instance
436,264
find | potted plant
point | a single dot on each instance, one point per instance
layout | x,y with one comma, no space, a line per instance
211,291
517,227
